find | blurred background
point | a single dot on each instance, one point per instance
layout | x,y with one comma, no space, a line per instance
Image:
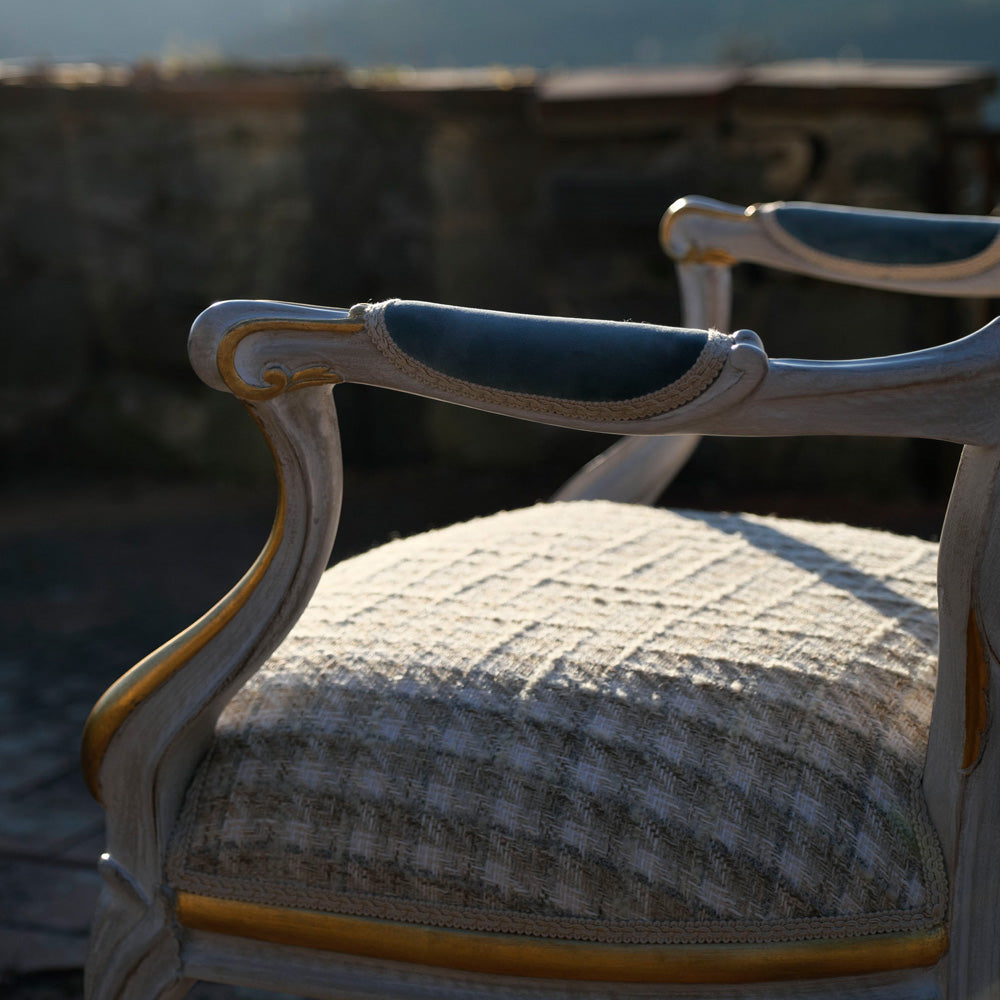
154,158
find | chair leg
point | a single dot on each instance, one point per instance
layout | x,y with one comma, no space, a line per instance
134,953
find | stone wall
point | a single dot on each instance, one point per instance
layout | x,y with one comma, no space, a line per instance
129,201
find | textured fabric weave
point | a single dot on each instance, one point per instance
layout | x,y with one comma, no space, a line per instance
595,721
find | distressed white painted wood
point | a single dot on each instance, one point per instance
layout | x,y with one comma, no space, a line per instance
142,758
148,762
925,393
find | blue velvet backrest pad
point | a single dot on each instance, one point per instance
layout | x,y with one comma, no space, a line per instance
887,237
573,359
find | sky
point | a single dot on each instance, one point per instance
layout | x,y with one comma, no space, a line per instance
540,33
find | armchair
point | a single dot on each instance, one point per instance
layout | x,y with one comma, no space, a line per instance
586,749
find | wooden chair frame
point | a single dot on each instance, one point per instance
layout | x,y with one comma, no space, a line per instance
150,730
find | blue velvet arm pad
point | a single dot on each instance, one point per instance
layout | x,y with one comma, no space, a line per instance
571,359
874,237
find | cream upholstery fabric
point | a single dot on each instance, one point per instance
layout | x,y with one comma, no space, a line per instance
593,721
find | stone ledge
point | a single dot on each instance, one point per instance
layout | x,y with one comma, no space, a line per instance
803,83
858,83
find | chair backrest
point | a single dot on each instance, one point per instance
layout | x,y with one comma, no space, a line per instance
932,255
894,251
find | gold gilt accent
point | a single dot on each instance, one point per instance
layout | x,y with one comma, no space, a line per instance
278,379
133,687
710,255
977,682
696,254
517,955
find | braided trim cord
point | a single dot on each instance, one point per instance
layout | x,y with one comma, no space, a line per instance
688,387
298,895
929,917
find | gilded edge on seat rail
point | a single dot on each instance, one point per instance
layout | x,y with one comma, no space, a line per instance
517,955
137,684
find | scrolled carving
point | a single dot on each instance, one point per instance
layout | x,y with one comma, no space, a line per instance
277,378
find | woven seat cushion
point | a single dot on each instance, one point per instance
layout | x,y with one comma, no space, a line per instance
591,721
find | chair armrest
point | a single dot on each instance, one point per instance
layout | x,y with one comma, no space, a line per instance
897,251
596,375
589,374
147,732
900,251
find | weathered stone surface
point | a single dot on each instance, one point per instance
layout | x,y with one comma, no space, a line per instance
45,820
51,897
128,202
28,951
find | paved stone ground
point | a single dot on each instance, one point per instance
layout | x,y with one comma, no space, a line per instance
88,583
91,579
